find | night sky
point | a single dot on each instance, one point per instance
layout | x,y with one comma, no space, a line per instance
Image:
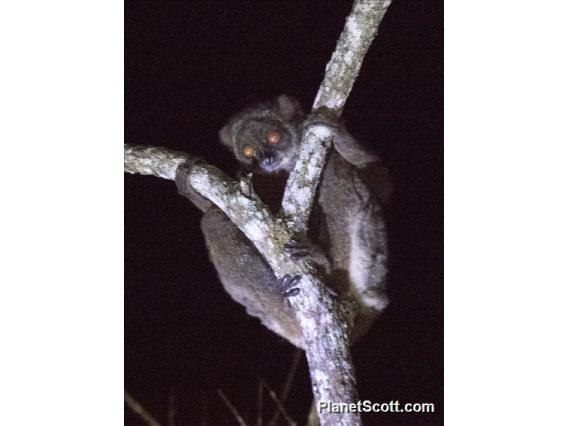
188,67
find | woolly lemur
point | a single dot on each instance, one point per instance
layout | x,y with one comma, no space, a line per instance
346,237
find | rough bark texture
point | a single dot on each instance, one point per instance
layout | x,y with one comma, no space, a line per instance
341,71
340,75
324,321
153,160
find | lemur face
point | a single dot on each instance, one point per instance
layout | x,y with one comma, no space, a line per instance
266,145
266,137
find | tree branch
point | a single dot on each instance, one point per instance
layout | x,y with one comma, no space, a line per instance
341,72
139,409
231,408
324,321
153,160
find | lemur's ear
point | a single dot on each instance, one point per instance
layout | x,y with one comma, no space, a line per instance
225,135
289,107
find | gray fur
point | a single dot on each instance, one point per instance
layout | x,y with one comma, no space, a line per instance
349,239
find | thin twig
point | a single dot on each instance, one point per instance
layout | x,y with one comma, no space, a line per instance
279,404
231,407
204,405
172,407
287,384
260,396
140,410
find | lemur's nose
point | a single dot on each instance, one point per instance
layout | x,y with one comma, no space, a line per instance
268,158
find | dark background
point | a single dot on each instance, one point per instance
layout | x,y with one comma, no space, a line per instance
189,66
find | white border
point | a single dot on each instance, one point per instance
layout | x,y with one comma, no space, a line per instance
506,212
61,280
61,300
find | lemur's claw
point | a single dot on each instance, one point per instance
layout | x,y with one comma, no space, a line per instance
297,248
287,285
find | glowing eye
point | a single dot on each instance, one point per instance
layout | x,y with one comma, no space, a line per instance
273,137
248,151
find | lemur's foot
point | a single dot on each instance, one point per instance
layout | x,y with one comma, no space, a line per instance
297,248
300,248
287,285
183,171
